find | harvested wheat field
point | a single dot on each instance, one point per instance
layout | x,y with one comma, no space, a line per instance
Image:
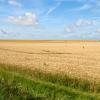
77,58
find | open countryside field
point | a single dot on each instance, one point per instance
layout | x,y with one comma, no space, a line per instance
69,64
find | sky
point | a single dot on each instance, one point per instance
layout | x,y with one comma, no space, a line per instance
50,19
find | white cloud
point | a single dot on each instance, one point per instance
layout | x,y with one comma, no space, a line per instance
2,31
53,8
79,23
69,29
27,19
84,22
81,8
84,7
14,3
98,30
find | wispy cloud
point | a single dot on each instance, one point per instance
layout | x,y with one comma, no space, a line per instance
14,3
84,7
53,8
98,30
2,31
81,8
79,23
69,29
84,22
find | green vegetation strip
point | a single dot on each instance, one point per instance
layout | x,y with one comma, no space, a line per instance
61,79
16,85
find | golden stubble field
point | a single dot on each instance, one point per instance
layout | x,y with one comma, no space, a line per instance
76,58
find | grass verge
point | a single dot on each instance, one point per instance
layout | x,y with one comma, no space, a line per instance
19,84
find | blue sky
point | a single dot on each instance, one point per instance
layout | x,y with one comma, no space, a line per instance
50,19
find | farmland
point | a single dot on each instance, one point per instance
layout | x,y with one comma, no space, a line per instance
72,67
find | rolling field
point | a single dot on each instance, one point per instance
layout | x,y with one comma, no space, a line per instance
72,67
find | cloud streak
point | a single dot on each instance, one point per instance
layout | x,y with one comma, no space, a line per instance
53,8
81,8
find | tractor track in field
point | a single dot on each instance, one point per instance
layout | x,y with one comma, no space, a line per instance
43,52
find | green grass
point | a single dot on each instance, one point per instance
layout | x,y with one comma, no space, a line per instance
23,84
